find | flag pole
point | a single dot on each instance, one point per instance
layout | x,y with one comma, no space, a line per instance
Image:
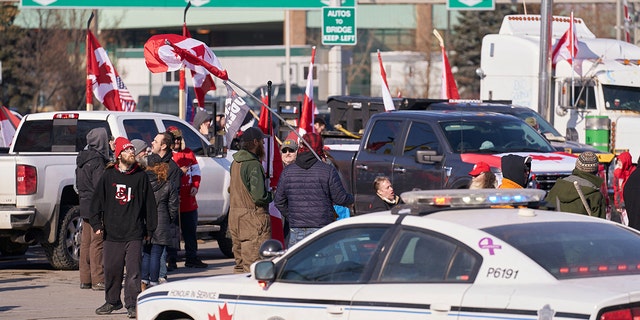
572,40
269,129
275,114
89,85
182,100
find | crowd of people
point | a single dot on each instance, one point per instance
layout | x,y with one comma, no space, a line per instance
137,201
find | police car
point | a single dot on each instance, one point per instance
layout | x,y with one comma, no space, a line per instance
447,254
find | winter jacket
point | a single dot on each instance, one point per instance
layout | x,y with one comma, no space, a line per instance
624,168
379,204
124,204
168,205
90,165
252,175
190,179
631,194
307,191
565,193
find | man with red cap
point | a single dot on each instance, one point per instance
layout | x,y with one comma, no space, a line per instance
125,214
482,177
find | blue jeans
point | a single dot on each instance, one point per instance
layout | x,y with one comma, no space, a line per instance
297,234
151,262
163,264
188,226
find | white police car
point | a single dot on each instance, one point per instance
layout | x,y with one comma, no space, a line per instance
448,254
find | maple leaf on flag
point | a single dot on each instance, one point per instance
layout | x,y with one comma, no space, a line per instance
224,314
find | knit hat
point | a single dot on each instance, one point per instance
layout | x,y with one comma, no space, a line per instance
479,168
201,117
251,134
291,144
175,132
139,145
122,143
587,162
315,141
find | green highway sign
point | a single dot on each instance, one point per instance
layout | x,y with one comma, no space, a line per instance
245,4
339,26
471,4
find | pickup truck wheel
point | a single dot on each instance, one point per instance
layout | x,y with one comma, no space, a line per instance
224,243
8,248
64,253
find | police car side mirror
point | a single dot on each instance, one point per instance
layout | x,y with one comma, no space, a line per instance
264,270
428,156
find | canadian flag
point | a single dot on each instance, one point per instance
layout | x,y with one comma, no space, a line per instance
386,94
202,80
168,52
104,80
567,46
8,124
449,88
308,107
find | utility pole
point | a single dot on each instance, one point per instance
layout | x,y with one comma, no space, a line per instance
544,69
335,65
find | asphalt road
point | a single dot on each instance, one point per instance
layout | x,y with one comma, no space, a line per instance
31,289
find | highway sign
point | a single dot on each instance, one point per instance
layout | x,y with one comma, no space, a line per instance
471,4
339,26
246,4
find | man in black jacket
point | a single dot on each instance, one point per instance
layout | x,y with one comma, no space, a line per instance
90,165
125,214
308,189
631,198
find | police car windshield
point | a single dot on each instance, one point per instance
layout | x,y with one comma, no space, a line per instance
571,249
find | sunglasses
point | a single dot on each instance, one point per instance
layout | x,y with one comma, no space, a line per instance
288,150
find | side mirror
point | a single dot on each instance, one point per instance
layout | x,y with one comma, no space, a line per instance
264,270
270,248
428,156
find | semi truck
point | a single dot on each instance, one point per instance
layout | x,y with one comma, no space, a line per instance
594,100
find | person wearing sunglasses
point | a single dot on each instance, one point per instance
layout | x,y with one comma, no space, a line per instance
288,149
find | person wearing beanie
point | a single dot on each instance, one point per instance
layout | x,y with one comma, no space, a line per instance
186,160
90,165
564,195
124,208
249,219
515,171
140,148
308,190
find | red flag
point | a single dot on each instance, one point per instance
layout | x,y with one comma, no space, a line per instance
386,94
308,107
105,81
449,88
627,21
168,52
8,124
202,80
567,46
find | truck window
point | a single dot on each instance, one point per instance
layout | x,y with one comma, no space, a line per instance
383,137
621,97
143,129
59,135
584,97
191,139
420,137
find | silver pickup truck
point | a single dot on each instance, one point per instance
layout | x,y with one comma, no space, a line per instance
38,202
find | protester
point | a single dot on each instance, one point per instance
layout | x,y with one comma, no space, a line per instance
141,150
125,213
515,171
249,220
168,206
482,177
630,194
624,168
289,150
189,184
161,145
564,195
319,125
385,198
90,165
308,189
202,122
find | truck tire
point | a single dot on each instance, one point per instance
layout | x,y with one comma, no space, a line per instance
64,253
224,241
9,248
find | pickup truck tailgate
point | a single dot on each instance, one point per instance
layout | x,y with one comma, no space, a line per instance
8,185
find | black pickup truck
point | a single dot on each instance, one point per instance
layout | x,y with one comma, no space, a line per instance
426,150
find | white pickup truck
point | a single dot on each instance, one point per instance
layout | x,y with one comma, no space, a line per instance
38,202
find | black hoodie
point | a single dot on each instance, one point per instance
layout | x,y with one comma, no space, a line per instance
90,165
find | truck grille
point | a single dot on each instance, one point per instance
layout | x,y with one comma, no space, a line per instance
545,181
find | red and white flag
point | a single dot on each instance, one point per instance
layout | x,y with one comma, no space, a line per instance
386,94
168,52
104,80
308,106
567,46
627,21
202,80
8,124
449,88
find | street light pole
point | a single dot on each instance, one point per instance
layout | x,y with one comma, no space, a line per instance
335,65
544,69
